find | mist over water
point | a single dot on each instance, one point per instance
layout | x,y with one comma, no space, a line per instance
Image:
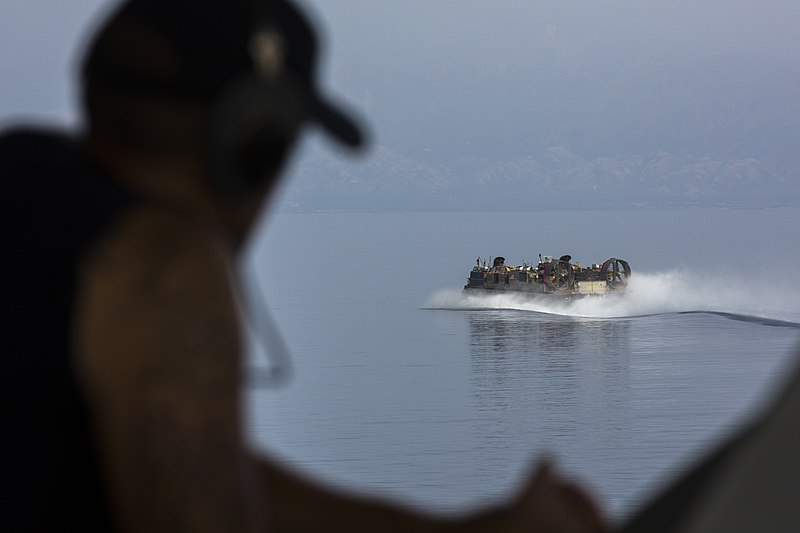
675,291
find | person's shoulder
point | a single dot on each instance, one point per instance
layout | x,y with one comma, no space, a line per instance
33,165
29,143
32,159
24,132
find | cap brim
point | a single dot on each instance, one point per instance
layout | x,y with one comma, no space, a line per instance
343,128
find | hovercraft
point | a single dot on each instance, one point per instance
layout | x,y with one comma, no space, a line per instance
554,277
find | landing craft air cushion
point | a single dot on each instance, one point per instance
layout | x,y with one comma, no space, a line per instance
557,278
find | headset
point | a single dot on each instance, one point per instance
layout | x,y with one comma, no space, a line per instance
258,115
256,120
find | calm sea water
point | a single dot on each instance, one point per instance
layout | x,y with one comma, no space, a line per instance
406,388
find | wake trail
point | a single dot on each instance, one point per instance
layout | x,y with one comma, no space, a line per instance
652,294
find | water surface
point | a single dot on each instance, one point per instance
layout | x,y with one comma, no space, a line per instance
408,388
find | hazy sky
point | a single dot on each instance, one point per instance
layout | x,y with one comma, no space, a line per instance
442,77
39,39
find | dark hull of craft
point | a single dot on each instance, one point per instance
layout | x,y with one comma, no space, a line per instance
544,296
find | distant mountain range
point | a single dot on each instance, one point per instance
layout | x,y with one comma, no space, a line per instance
556,179
698,130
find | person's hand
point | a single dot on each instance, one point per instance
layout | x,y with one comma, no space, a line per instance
550,504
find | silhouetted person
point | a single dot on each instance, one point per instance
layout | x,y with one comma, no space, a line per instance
123,353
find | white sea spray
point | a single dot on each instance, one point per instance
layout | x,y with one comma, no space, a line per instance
674,291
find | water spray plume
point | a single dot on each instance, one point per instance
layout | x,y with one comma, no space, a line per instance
649,294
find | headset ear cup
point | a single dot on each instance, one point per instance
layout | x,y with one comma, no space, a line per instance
255,124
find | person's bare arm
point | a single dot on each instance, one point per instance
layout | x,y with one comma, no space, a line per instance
158,346
548,504
299,505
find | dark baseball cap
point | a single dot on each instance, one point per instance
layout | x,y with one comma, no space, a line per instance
204,46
